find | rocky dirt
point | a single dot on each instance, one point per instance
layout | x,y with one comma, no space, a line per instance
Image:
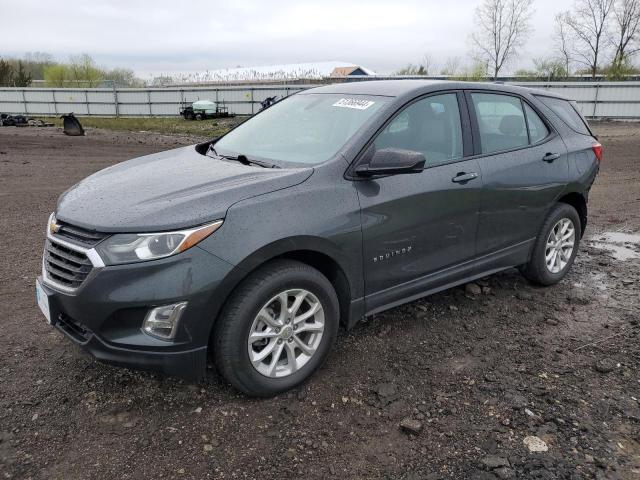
496,380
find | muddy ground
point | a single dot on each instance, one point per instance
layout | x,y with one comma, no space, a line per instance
476,373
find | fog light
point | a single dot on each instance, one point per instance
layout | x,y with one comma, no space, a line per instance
162,322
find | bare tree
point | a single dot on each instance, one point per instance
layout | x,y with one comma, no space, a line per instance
588,24
451,67
626,30
563,41
502,26
428,63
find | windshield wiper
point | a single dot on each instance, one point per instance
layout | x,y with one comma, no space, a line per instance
212,149
245,161
240,158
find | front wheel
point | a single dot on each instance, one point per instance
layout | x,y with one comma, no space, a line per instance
556,246
276,329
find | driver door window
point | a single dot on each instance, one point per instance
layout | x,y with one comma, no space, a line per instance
430,126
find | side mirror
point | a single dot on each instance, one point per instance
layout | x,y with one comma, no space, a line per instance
392,161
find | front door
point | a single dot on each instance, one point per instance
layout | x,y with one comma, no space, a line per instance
417,224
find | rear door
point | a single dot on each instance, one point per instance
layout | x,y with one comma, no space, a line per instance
524,168
417,224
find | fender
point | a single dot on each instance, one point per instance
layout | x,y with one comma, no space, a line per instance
290,246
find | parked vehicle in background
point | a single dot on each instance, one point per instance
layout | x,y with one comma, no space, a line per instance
203,109
333,204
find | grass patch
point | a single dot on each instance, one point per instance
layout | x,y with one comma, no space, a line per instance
164,125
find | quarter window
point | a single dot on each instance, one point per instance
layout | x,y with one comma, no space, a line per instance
501,122
430,126
567,112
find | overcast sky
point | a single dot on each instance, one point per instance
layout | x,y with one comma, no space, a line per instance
168,36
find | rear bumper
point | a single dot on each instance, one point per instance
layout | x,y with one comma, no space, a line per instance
105,315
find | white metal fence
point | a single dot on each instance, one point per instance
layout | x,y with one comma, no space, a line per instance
616,100
134,101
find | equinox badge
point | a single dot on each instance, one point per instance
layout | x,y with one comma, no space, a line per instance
393,253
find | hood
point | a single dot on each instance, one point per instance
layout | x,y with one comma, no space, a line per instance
167,191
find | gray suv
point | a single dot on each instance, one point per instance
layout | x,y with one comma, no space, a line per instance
336,203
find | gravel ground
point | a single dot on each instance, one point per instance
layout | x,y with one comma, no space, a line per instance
498,379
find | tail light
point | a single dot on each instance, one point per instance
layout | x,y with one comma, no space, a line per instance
597,149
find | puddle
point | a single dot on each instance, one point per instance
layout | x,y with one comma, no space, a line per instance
622,246
596,281
618,237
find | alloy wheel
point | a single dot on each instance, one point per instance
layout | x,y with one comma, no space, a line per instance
286,333
560,245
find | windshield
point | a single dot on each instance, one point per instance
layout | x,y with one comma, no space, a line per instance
302,129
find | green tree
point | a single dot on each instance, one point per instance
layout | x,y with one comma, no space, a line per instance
619,69
477,72
525,74
21,78
412,69
83,71
35,63
56,75
123,77
7,73
550,68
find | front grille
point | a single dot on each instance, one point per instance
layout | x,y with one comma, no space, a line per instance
80,236
65,266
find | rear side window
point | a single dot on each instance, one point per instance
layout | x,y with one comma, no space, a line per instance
537,129
567,114
430,126
500,121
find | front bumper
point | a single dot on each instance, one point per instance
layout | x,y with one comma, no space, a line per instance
105,315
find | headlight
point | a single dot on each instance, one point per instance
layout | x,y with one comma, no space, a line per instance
139,247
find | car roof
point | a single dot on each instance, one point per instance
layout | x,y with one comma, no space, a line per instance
403,88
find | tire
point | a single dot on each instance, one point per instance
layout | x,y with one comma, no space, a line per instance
253,308
537,270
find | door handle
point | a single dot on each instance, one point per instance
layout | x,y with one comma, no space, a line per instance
550,157
464,177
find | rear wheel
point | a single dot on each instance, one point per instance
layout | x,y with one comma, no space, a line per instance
556,246
277,328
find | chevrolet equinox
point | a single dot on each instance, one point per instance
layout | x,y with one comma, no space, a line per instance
331,205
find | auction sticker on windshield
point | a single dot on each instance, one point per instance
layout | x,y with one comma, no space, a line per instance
353,103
